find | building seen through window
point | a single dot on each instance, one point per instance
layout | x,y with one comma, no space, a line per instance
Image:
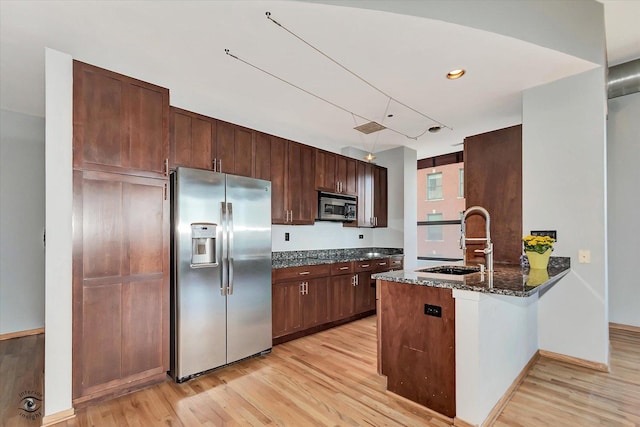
441,180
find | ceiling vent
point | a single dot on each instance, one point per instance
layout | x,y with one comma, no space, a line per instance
370,127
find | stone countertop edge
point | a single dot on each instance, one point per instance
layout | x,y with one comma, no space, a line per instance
507,280
319,257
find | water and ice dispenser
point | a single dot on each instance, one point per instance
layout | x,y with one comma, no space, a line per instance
203,245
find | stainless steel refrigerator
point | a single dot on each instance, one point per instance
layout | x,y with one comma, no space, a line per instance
221,277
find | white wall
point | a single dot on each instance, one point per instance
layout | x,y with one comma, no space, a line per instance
21,222
564,189
59,193
496,336
623,154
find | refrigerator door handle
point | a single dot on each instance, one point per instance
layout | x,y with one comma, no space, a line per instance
224,261
230,246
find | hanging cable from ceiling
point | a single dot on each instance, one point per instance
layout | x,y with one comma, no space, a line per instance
228,52
353,73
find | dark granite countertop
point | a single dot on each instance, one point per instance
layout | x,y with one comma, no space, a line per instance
329,256
512,280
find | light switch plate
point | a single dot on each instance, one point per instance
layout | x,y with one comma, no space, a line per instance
584,256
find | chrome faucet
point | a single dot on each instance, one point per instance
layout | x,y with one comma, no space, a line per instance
488,249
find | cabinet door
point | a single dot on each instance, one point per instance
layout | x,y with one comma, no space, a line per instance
342,296
365,193
279,209
286,308
192,140
300,191
380,196
119,124
235,149
262,161
350,179
325,173
316,302
364,298
120,280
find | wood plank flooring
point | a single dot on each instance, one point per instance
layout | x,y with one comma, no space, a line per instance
329,379
559,394
21,376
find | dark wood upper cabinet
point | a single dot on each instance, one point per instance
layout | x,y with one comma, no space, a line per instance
372,195
493,180
120,124
293,196
326,171
262,161
335,173
120,282
380,196
235,149
347,175
193,140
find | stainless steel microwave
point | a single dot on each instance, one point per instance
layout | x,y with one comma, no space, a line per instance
336,207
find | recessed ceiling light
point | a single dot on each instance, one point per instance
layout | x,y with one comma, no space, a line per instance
389,115
455,74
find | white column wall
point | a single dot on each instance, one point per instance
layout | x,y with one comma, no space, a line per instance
564,189
496,336
623,153
58,208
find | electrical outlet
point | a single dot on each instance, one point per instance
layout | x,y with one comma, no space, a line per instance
584,256
433,310
551,233
286,237
360,236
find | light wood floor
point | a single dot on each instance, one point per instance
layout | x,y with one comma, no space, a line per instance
330,379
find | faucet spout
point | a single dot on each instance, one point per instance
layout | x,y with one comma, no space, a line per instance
488,250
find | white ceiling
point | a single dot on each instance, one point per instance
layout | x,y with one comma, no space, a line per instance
180,45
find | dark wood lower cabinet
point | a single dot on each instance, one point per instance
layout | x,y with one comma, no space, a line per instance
343,296
120,282
416,350
300,304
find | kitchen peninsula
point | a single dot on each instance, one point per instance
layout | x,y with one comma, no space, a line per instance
457,343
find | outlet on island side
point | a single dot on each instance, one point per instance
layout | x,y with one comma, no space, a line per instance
286,237
433,310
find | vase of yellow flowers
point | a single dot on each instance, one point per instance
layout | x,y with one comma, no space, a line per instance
538,250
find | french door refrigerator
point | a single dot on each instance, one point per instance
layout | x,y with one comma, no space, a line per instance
221,278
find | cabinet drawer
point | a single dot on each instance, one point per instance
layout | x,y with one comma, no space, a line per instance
396,263
341,268
368,265
307,271
380,265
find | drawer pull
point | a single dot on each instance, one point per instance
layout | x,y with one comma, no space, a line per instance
344,268
364,265
304,273
382,263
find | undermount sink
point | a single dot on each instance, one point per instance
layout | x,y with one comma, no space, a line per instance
374,255
457,270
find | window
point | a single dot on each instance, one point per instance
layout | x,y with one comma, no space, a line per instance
461,182
434,232
434,186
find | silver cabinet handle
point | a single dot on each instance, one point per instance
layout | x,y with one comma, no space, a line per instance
301,288
382,263
230,246
344,268
353,280
220,161
357,280
303,273
365,265
306,287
